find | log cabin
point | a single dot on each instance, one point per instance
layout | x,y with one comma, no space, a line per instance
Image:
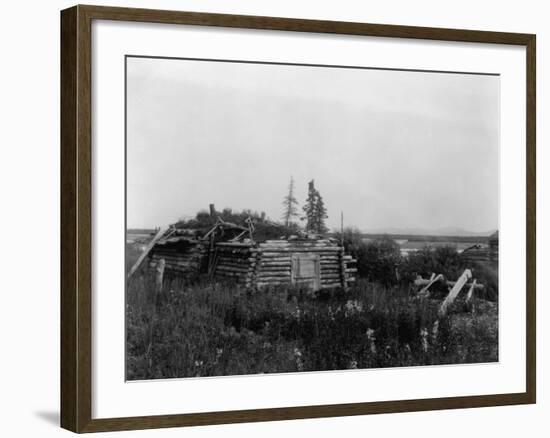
228,251
314,263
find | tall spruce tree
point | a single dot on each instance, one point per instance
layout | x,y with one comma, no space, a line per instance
290,204
309,207
315,211
321,214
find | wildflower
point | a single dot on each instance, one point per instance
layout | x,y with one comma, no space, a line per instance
424,339
298,358
330,313
352,365
372,339
219,352
352,307
435,331
199,363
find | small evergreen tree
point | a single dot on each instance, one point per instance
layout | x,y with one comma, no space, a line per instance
289,204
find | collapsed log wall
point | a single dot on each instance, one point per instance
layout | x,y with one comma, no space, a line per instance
182,257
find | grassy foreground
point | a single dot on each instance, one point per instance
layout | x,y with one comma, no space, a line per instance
208,328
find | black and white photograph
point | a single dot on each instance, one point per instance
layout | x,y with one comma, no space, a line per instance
285,218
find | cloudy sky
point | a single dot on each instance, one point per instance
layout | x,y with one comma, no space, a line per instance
391,149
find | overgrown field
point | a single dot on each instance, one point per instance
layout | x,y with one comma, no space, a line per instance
201,327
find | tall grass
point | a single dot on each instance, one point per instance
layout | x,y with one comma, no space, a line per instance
209,328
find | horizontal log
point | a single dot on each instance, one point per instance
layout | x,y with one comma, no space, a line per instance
190,265
300,249
235,271
296,240
274,278
331,285
230,275
235,244
224,272
420,282
271,283
234,258
175,259
235,262
244,251
272,273
275,257
234,268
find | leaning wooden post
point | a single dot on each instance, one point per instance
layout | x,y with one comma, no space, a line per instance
425,291
466,275
471,291
159,278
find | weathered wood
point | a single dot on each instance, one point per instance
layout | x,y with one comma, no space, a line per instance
272,283
274,278
466,275
236,264
327,250
146,251
471,291
425,291
275,257
273,265
225,257
227,269
444,282
331,285
159,276
273,268
239,245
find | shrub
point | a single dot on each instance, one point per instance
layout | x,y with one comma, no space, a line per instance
377,260
263,229
446,260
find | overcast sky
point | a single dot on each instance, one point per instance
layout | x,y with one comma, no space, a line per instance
391,149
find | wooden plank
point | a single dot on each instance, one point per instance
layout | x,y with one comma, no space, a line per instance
146,251
328,250
425,291
471,291
424,282
466,275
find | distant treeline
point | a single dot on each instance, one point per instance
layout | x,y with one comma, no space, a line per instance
428,238
140,230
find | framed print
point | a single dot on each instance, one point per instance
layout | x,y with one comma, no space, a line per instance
325,218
